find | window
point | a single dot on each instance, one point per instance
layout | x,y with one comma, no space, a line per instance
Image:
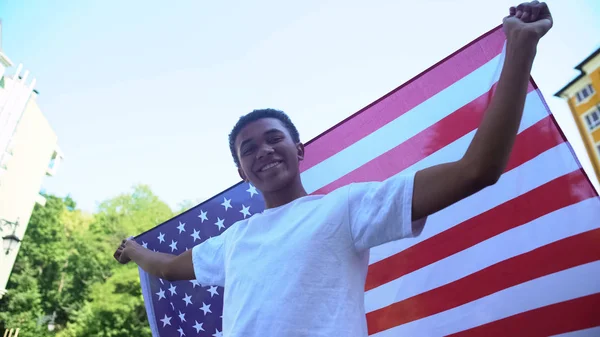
592,119
52,161
584,93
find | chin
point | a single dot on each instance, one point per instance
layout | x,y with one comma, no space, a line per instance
274,184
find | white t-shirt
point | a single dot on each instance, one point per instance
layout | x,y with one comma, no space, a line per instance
299,269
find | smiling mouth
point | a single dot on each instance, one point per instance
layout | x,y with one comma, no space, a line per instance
269,166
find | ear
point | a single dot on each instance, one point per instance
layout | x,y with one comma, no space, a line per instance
300,150
242,174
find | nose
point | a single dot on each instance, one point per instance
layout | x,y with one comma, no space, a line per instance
264,150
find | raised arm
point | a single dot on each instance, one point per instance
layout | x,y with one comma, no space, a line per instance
166,266
486,158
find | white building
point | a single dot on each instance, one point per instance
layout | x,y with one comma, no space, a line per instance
28,152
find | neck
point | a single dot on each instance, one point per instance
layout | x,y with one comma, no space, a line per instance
285,195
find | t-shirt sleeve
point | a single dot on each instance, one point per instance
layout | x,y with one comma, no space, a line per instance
381,212
209,262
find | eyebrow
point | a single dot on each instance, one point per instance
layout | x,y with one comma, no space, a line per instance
270,131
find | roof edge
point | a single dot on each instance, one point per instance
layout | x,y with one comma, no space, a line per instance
581,74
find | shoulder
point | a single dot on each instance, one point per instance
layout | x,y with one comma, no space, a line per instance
334,200
225,235
235,228
397,189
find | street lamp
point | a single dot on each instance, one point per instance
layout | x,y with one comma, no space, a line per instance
12,239
49,319
51,324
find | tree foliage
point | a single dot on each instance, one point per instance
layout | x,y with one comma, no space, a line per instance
65,272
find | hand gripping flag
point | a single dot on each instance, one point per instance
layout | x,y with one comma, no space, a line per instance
519,258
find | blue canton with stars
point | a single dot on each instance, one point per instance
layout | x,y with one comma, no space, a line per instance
186,308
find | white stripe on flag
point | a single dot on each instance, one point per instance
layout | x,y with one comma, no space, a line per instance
533,112
404,127
535,234
147,295
518,181
591,332
565,285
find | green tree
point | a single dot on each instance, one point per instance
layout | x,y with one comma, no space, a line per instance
32,290
65,269
114,309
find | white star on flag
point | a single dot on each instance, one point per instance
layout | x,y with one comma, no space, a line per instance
226,203
205,308
181,316
187,299
218,333
145,244
166,321
251,190
161,294
195,283
161,237
195,235
180,330
202,216
181,227
172,289
245,210
213,291
173,245
198,326
219,223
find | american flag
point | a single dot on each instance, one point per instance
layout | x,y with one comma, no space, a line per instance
519,258
188,308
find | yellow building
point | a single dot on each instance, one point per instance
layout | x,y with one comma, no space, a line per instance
582,95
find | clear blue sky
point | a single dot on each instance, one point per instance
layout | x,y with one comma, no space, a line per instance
147,91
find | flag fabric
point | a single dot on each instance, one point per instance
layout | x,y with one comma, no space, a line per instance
519,258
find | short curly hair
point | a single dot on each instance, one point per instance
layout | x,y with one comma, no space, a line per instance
254,116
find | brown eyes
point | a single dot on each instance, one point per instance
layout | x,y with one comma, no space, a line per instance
248,150
274,140
251,148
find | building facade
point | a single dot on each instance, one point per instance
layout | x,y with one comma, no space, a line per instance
28,153
584,101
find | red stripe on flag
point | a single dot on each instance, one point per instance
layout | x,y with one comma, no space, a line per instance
404,98
560,255
534,141
426,142
577,314
511,214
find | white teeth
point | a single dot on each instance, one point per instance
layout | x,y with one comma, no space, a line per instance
268,166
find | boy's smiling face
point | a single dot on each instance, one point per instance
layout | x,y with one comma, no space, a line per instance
268,156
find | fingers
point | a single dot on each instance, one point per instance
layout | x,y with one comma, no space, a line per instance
535,12
530,11
525,12
124,242
544,11
117,254
519,12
